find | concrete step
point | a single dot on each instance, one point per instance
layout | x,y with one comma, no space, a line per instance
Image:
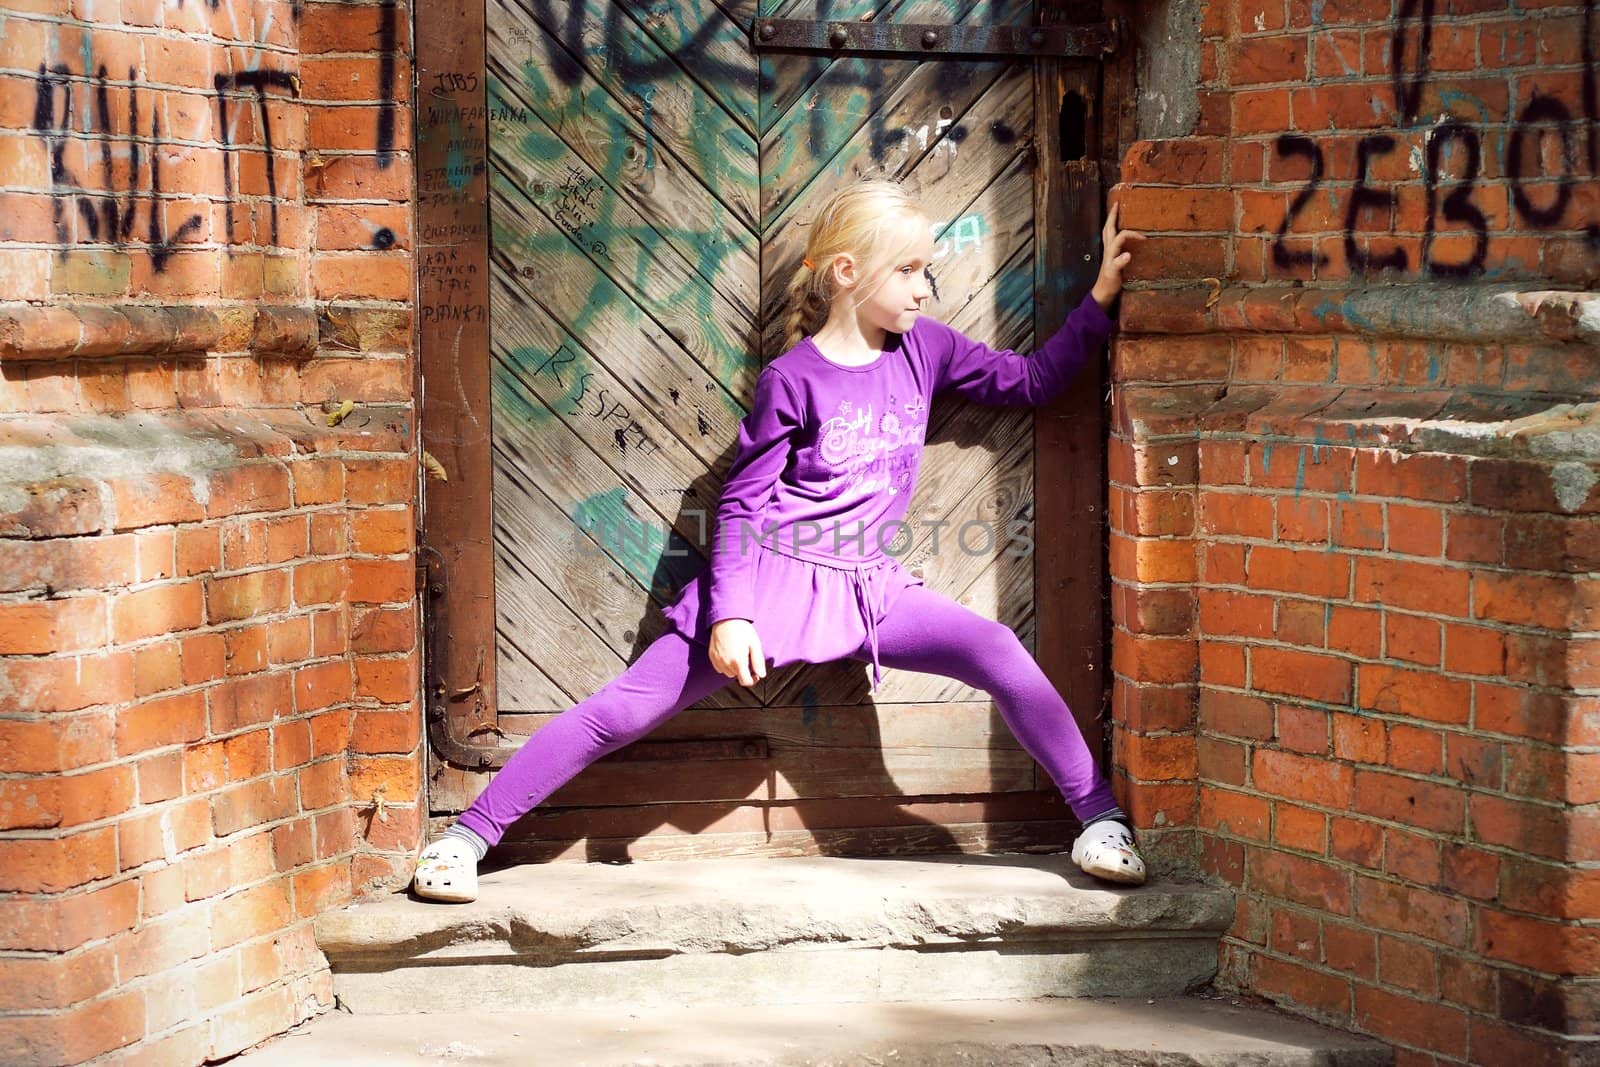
813,929
1175,1032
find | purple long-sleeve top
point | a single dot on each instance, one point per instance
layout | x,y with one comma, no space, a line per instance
828,455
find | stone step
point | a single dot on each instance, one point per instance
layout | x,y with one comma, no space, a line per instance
814,929
1167,1032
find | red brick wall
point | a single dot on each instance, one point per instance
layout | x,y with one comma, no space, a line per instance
1355,550
208,718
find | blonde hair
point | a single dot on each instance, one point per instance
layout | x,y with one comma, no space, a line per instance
856,219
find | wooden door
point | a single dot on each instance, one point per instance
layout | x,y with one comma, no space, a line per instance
647,178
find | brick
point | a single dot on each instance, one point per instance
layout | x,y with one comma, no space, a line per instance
1302,520
156,611
252,804
164,943
198,551
154,500
1303,729
1311,573
1156,513
252,488
42,627
323,784
245,649
1222,664
1148,659
1419,694
1412,801
244,596
1359,739
395,629
42,984
1153,759
1133,559
1474,650
1302,622
1174,359
1222,564
1413,586
1416,531
1235,614
386,731
61,684
83,1033
1236,714
1295,933
56,745
1532,829
1302,778
1430,1025
1411,857
61,507
95,795
1303,468
236,703
1535,542
1416,749
67,565
52,865
1358,841
321,686
1302,880
321,582
380,481
1538,943
1237,515
1518,485
1442,479
1398,908
1523,599
1326,679
1299,828
1355,630
169,720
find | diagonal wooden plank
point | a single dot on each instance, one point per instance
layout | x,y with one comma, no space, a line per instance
711,43
616,145
639,330
656,452
887,103
786,76
534,170
566,574
681,118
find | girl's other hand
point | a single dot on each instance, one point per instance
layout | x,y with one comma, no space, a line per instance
736,651
1109,283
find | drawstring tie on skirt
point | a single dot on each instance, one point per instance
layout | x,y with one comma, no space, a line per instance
869,615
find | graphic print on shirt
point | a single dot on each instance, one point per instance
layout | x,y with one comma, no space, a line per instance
874,451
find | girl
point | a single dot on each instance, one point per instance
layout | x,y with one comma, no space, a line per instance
820,480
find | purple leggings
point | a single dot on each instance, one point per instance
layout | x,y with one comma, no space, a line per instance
924,631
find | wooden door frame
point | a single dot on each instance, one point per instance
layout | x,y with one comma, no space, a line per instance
456,550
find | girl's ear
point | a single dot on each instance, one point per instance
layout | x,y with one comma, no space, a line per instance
844,268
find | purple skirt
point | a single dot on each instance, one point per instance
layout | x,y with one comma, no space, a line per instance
806,610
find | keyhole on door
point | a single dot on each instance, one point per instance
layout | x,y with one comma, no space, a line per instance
1074,127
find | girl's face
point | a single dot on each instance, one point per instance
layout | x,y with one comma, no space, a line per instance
893,298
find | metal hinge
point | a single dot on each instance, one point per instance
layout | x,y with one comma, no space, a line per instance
1085,40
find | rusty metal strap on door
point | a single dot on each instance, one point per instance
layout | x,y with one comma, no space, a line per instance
1083,40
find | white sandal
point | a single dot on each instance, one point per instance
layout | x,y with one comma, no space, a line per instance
447,870
1105,849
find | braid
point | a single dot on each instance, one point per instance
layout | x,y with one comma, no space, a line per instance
808,307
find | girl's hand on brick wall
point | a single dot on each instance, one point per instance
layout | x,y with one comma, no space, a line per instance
1109,283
